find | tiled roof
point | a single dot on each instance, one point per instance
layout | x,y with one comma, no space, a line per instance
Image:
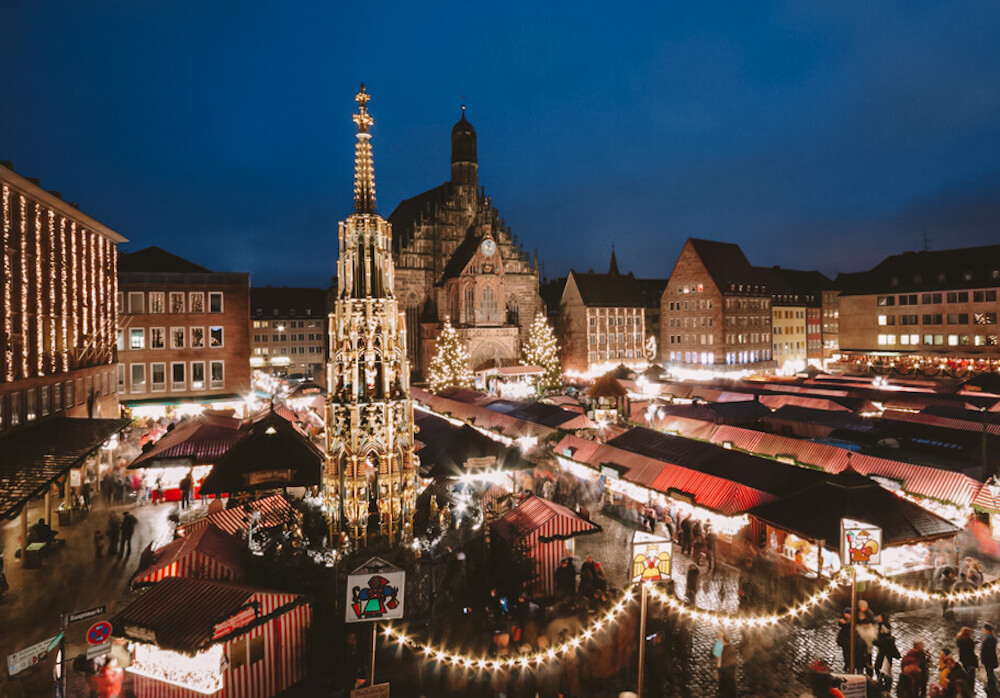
460,257
155,259
727,265
35,456
969,267
183,611
815,512
222,548
406,213
265,300
446,448
202,440
551,520
482,417
608,290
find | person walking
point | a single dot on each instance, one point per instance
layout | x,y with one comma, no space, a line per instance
918,656
186,491
966,644
98,543
691,591
844,637
158,496
128,530
885,643
988,655
711,546
113,530
725,661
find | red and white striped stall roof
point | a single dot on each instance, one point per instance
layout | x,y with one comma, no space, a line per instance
206,553
273,512
973,423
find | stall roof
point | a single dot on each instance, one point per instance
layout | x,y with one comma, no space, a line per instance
211,542
199,441
271,453
182,612
273,512
607,386
552,521
33,457
815,512
446,448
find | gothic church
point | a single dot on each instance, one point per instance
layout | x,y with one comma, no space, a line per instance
456,258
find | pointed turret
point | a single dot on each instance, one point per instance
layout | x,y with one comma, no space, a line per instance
464,162
613,267
364,167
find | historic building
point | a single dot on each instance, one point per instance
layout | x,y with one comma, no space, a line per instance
184,333
288,334
797,315
455,257
923,309
602,321
716,310
370,476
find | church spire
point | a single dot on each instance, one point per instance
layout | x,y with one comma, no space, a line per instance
613,267
364,169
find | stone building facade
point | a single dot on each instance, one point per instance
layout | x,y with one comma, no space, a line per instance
716,310
57,304
288,331
456,257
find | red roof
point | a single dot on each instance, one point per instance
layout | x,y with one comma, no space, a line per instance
202,441
973,423
549,520
208,553
182,613
482,417
273,512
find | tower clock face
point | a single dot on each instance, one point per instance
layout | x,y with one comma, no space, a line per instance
488,247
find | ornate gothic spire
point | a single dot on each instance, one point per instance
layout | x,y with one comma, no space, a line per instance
364,168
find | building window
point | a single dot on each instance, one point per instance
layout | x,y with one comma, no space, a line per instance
138,382
121,303
215,302
214,337
984,296
953,340
985,318
135,303
69,393
178,376
121,385
886,300
197,337
176,337
137,339
157,338
46,400
15,409
197,375
196,302
177,302
156,304
31,406
120,344
57,403
158,377
217,377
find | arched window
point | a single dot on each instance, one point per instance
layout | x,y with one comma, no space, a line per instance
489,307
512,316
468,314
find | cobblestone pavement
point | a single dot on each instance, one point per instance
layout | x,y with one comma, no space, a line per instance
772,662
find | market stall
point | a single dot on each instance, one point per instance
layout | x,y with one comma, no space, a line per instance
207,553
197,637
274,511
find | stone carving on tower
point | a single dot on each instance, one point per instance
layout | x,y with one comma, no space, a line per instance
456,258
369,480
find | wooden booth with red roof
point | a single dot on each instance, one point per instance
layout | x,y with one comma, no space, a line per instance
207,553
199,637
274,511
549,531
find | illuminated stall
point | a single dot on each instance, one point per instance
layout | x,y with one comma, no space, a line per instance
207,553
195,637
192,446
511,382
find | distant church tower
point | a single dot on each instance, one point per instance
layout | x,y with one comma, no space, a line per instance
369,479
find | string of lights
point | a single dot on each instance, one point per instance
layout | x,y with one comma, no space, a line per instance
8,327
39,295
915,594
51,316
74,276
64,286
23,291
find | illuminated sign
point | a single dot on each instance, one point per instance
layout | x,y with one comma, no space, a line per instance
651,557
860,543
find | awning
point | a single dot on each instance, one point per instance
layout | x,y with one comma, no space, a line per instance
34,457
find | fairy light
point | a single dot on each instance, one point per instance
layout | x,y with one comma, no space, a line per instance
102,327
64,289
113,300
8,327
84,283
51,321
24,287
913,594
39,296
75,279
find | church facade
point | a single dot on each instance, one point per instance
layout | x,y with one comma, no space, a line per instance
456,258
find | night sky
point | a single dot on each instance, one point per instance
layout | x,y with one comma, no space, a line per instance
814,134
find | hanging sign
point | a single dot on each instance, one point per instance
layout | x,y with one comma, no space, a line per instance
375,592
651,556
860,543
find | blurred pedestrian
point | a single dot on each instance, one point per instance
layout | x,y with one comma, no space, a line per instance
691,592
127,531
186,483
98,543
966,644
725,661
113,530
988,655
885,643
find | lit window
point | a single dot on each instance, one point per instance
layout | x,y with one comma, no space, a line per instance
137,339
156,304
196,301
197,337
176,303
197,375
157,338
138,382
214,337
177,338
217,377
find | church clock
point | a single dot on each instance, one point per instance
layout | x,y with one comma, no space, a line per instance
488,247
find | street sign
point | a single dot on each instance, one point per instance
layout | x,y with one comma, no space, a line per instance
84,615
375,592
860,543
379,690
98,650
19,661
99,632
651,556
852,685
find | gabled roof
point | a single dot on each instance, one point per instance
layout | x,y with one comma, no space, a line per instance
199,441
271,453
288,302
155,259
927,270
608,290
183,612
552,521
463,254
796,287
815,512
726,264
607,386
446,448
211,543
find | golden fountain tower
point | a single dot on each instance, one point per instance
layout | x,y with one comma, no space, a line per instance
370,473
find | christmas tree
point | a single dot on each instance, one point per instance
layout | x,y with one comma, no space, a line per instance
541,349
450,366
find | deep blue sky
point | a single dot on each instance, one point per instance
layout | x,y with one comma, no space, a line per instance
814,134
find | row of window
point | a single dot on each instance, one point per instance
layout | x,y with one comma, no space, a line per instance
266,351
748,303
778,329
749,338
281,324
985,296
938,319
178,302
178,337
790,314
952,340
787,347
602,338
300,337
703,321
747,321
942,277
596,356
18,408
704,304
183,376
708,358
692,339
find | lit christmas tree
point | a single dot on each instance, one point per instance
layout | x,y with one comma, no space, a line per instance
541,349
450,366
